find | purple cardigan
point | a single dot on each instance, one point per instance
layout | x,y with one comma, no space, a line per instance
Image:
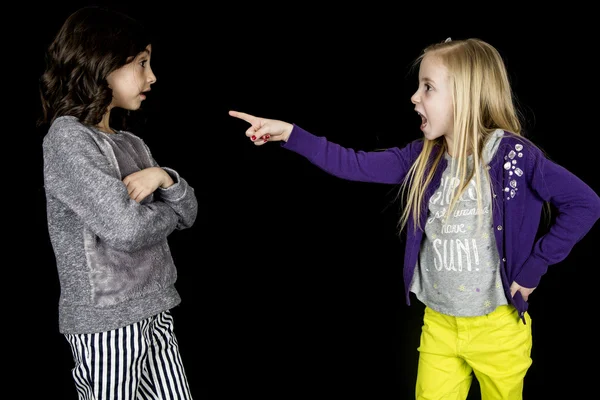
523,179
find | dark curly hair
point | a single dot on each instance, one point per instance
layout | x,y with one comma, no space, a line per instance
93,42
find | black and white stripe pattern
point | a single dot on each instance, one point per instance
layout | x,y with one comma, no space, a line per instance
138,361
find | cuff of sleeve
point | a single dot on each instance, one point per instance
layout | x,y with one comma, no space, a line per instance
531,273
176,190
302,142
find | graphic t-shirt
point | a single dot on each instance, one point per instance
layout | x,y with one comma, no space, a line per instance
458,271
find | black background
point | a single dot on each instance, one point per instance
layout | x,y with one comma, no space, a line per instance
290,278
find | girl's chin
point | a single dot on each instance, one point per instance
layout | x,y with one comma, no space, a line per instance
430,135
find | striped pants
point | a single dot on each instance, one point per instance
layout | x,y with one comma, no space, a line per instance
138,361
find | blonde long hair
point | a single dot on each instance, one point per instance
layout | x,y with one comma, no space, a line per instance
483,101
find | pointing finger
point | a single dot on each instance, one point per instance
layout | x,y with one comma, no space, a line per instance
251,119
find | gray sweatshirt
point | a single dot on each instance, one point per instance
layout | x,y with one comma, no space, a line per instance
114,263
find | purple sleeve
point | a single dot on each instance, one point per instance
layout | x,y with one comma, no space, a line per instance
387,166
578,209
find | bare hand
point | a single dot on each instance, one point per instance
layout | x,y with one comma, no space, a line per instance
264,130
525,292
142,183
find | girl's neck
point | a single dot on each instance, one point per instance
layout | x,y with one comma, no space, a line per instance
104,125
108,130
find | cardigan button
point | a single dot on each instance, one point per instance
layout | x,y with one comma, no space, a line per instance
499,227
504,259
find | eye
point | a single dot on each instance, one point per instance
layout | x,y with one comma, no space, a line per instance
427,87
143,63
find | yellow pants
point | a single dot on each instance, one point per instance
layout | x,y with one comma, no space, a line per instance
495,347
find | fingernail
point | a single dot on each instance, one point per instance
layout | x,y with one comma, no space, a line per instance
268,136
253,137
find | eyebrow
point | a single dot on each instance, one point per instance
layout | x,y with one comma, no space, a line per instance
426,79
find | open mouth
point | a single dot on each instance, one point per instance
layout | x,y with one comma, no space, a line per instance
423,120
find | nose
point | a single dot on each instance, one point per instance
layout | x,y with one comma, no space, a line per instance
415,98
151,76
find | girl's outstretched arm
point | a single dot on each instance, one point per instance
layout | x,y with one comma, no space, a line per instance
388,166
